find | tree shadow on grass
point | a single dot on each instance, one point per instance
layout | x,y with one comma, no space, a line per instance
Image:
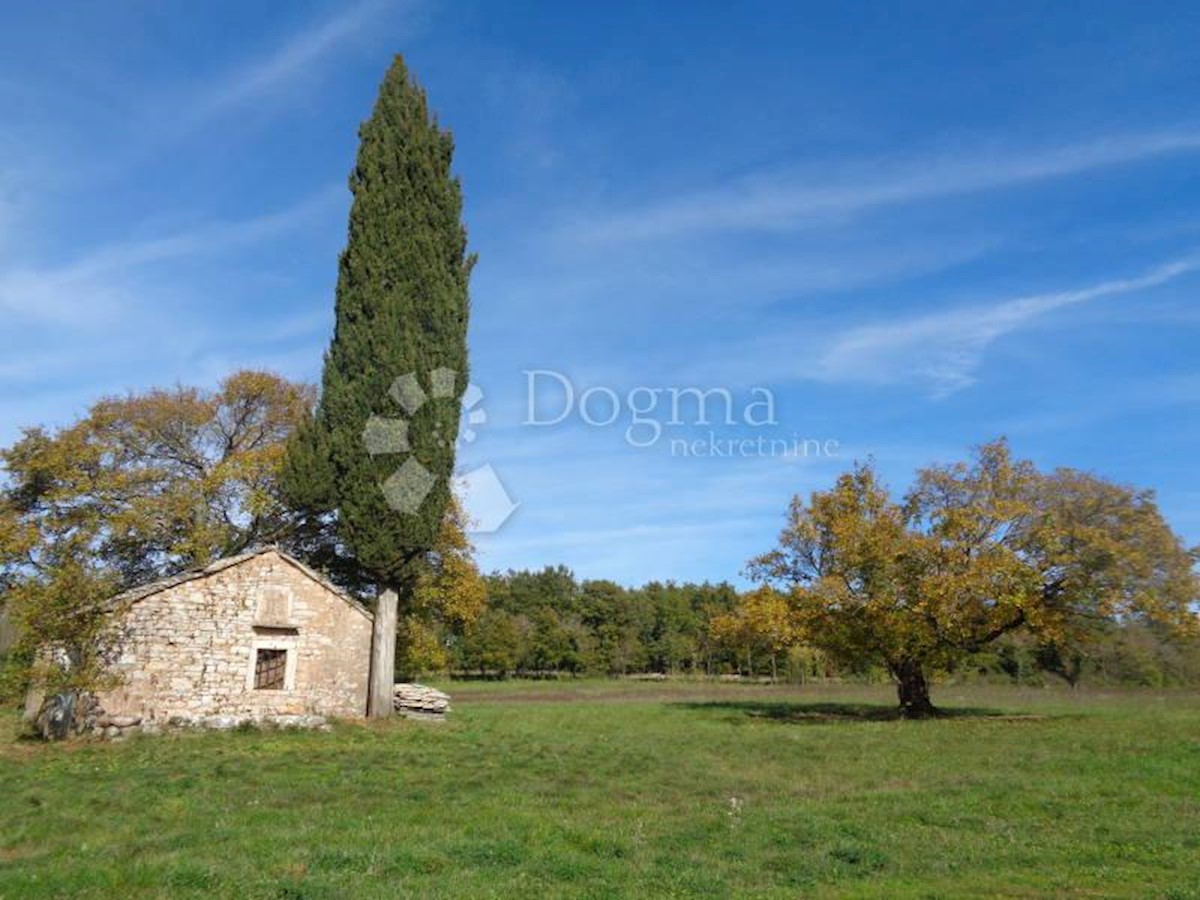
834,713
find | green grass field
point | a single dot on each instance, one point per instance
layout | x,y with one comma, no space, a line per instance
612,789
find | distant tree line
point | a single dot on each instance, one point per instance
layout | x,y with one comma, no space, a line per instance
548,623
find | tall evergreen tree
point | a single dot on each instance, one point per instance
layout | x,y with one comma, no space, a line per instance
379,454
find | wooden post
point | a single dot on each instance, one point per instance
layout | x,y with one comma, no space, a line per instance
34,699
383,656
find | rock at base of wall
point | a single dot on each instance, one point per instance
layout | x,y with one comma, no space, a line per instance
116,727
230,722
65,715
218,723
55,720
60,716
297,722
416,701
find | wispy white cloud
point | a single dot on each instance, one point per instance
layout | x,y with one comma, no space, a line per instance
784,200
158,114
301,52
96,287
940,351
945,349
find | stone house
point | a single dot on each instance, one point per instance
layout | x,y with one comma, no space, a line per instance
256,637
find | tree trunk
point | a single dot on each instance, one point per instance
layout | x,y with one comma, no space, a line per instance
383,656
1075,670
913,690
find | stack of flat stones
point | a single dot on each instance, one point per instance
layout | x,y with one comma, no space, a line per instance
117,727
69,714
416,701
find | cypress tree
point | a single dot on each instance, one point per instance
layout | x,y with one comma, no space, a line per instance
378,456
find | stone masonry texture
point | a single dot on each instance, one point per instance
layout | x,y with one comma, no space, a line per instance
187,652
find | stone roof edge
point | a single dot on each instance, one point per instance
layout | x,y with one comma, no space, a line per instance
134,595
323,581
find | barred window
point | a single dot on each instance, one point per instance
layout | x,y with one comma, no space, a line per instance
270,667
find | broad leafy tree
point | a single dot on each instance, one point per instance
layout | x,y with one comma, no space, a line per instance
762,624
143,486
975,551
151,484
448,597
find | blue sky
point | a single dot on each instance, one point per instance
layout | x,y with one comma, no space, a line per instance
919,226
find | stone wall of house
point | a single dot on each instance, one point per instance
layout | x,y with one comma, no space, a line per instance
188,652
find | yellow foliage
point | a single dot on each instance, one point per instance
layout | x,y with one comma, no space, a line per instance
419,649
450,588
976,550
143,485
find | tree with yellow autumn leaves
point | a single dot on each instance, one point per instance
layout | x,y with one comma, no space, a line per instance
974,551
155,483
762,624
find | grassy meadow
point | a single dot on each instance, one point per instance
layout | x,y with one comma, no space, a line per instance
619,789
